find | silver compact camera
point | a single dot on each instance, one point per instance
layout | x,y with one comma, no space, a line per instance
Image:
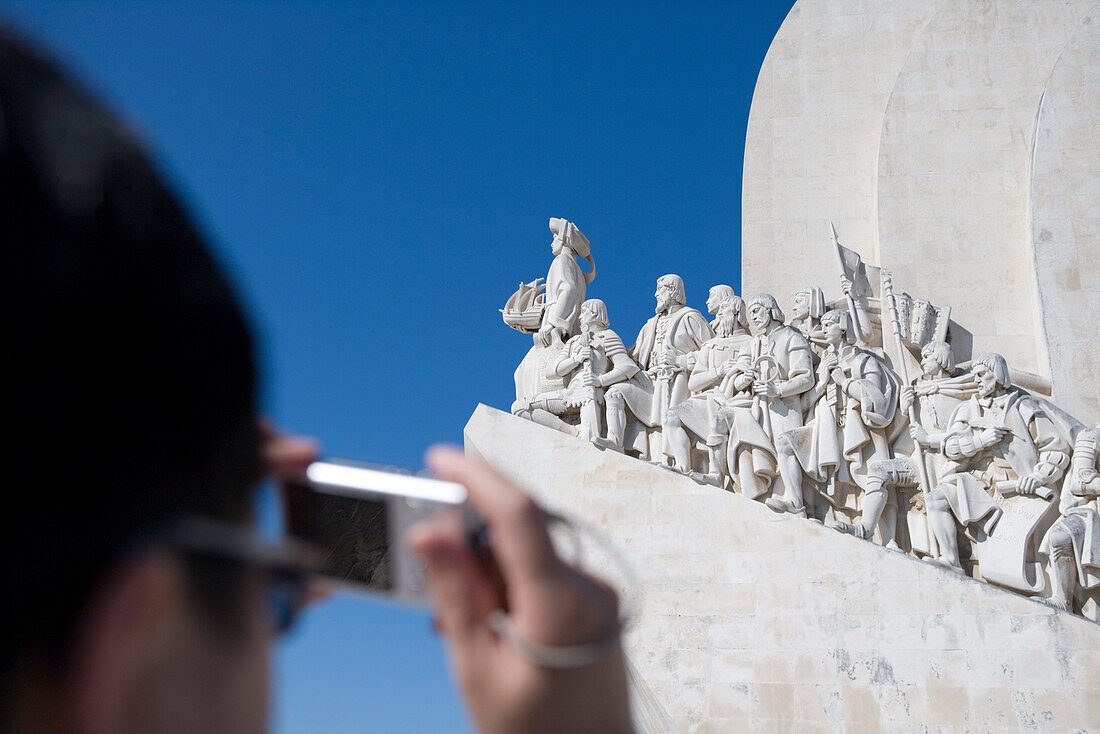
357,516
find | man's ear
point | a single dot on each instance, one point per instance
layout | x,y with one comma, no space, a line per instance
123,633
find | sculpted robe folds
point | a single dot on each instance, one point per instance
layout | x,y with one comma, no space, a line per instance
685,331
565,292
606,348
935,403
752,424
844,438
795,365
698,412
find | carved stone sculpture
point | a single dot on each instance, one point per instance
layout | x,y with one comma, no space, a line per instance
776,368
1072,545
565,283
714,364
717,294
962,466
1005,458
852,405
933,398
809,307
665,352
555,306
590,361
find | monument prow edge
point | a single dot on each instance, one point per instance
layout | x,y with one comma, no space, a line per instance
754,619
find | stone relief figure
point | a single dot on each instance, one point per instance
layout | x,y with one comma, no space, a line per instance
857,308
714,361
773,371
590,362
851,407
565,282
549,311
715,297
999,447
968,470
933,397
809,307
1072,545
665,351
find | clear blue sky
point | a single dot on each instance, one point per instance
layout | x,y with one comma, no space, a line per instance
378,178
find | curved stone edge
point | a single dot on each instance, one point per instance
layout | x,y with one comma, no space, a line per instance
954,167
1065,230
755,620
811,147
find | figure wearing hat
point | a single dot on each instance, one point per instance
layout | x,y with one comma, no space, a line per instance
565,283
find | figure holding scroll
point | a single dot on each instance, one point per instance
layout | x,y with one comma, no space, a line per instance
999,444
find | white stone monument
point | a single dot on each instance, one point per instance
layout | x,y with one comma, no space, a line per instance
953,142
947,435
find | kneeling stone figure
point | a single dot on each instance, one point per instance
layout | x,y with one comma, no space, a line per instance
591,361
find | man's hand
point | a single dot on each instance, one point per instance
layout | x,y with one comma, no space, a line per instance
547,601
846,286
545,334
1028,485
765,389
829,362
284,456
919,435
583,354
590,380
908,397
992,436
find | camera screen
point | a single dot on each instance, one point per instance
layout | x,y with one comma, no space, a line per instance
352,532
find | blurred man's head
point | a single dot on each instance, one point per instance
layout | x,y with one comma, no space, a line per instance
132,403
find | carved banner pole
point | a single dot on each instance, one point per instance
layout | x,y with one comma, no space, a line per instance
903,367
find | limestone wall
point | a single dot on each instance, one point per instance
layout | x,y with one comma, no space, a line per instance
961,159
811,148
754,621
1065,227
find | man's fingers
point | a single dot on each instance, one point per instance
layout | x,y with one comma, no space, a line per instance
517,524
459,590
285,455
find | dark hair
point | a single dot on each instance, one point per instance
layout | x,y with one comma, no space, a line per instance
132,394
